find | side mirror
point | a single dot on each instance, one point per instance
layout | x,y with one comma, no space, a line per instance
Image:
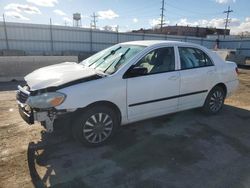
135,71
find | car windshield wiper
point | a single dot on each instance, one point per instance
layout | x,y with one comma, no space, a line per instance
112,52
118,60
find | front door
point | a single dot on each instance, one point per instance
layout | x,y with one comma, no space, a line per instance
156,92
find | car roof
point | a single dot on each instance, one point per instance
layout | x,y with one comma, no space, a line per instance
155,42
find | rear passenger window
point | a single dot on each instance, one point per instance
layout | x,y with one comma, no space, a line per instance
193,58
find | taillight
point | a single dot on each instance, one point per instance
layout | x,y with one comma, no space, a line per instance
237,70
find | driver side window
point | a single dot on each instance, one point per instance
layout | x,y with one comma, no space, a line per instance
158,61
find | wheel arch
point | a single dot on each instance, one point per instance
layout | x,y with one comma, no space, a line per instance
221,85
101,103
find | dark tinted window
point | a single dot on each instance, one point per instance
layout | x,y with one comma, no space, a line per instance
159,60
193,58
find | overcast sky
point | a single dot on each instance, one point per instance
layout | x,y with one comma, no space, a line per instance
130,14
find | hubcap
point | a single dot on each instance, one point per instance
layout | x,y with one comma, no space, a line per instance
216,101
98,128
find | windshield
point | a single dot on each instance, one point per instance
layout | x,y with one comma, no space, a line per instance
111,59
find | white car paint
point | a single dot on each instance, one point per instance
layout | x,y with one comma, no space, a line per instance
56,75
124,92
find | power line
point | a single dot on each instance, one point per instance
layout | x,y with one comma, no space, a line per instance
191,11
228,11
146,7
93,22
162,14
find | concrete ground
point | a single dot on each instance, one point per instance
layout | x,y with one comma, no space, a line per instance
186,149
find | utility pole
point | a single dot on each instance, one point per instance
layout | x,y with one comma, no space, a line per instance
228,11
93,22
162,14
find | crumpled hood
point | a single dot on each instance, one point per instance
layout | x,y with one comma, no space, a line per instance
56,75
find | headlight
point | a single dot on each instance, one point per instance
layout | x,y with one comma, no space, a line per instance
46,100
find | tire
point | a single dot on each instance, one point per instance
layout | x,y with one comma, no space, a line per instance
95,126
214,101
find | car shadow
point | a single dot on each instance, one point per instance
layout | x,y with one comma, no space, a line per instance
200,149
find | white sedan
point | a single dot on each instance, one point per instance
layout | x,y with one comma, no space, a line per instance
125,83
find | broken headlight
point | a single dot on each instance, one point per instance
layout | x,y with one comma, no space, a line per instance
46,100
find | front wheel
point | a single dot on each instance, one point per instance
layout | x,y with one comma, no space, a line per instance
215,100
95,126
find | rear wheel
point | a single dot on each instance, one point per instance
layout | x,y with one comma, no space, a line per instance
215,100
95,126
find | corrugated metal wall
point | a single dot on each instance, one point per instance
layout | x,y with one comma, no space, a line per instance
44,39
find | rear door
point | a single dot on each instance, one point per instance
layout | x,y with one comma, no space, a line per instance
156,92
197,72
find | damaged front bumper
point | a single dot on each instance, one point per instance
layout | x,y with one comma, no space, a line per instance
30,115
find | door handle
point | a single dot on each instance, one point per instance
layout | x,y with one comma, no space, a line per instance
173,78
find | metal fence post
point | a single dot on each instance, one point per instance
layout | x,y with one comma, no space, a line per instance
5,32
51,36
91,42
240,44
117,37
